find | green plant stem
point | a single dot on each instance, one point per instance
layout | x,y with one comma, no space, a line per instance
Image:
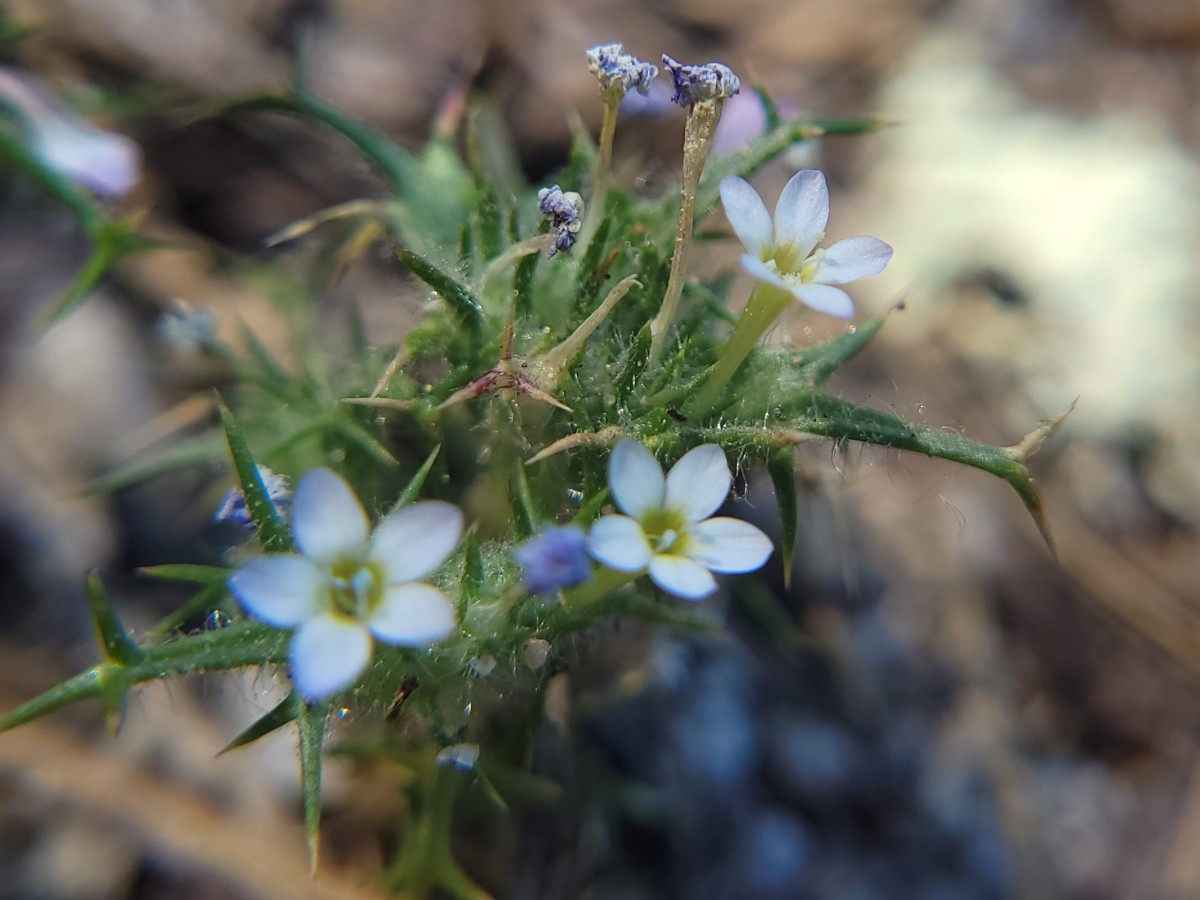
697,139
603,582
764,306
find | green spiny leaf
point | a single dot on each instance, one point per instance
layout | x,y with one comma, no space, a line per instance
781,466
463,305
196,574
525,515
202,603
287,710
817,363
413,489
119,647
311,720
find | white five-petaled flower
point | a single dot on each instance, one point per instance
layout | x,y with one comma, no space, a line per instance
785,253
346,586
666,527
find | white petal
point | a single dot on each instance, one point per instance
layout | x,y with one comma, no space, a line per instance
763,272
746,213
682,577
728,545
327,519
619,543
282,589
851,259
635,478
824,298
802,211
413,615
699,483
328,654
415,540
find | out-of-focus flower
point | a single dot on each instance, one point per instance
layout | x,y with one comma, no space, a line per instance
695,84
667,527
785,254
233,507
459,756
618,71
347,586
564,210
186,328
103,162
555,559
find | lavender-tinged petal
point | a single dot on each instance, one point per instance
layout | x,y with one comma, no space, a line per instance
763,272
619,543
413,615
682,577
851,259
724,544
327,520
747,214
415,540
328,654
823,298
635,479
802,212
282,589
699,483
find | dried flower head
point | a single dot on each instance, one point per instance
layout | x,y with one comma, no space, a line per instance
618,71
695,84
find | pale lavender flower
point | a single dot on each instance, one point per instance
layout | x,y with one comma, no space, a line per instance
617,71
347,588
694,84
667,528
555,559
785,253
103,162
233,506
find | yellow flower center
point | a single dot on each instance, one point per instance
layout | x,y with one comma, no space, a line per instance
666,531
355,588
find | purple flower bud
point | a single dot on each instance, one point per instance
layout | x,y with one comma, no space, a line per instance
233,507
694,84
555,559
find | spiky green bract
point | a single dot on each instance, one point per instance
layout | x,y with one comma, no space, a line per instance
286,711
240,645
311,719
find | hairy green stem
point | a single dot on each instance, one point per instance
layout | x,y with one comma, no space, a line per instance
766,304
697,139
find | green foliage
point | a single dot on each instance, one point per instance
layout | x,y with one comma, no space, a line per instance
485,408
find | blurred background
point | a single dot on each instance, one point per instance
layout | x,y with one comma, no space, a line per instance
938,708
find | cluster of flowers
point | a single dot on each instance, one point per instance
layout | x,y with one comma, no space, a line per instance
347,588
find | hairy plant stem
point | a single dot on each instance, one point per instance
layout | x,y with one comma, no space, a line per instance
765,305
603,582
697,139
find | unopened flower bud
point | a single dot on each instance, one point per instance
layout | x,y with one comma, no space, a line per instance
564,209
233,507
555,559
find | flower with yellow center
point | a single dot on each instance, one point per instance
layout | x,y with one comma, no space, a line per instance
667,529
347,588
785,254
